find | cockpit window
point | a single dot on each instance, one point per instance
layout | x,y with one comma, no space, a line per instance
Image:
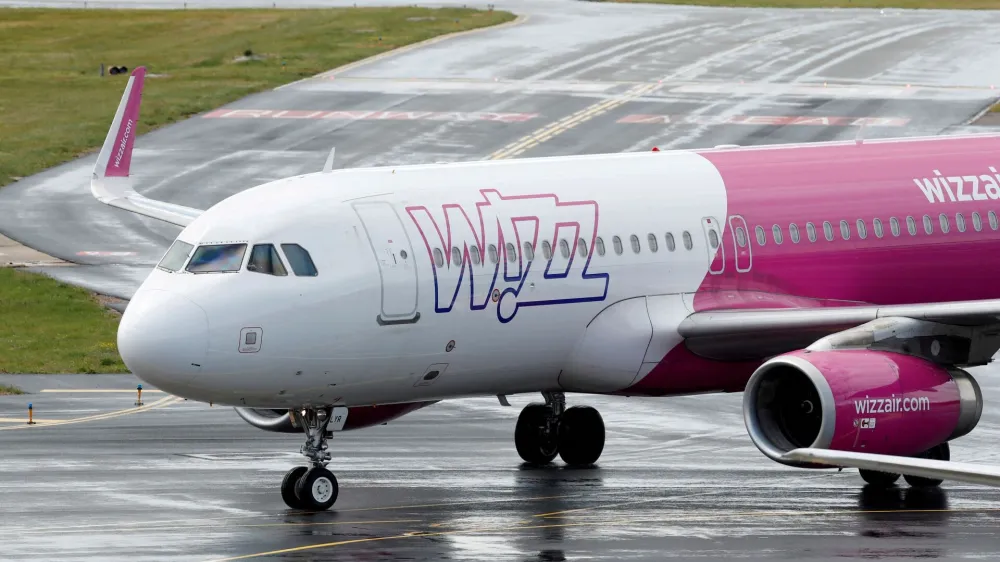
264,259
175,257
299,260
217,258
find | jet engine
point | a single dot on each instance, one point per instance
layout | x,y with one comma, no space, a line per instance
857,400
357,416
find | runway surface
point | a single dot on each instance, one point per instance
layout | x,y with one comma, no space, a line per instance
571,78
679,479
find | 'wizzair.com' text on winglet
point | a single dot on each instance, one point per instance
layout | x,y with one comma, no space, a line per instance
111,183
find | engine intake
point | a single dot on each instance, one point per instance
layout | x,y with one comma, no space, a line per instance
857,400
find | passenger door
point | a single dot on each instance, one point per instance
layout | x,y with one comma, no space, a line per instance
396,263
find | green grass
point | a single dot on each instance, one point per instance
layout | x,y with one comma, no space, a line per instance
54,106
911,4
50,327
8,390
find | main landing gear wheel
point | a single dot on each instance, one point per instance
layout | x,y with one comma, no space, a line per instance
879,479
545,430
581,436
940,453
535,435
312,488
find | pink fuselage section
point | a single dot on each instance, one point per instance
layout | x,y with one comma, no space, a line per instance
883,180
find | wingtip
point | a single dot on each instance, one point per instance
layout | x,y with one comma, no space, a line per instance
116,157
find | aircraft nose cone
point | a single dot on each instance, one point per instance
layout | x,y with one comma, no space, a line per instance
163,340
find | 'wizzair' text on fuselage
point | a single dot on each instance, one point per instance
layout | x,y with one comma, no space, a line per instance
941,188
483,245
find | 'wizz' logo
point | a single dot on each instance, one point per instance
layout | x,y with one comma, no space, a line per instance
498,248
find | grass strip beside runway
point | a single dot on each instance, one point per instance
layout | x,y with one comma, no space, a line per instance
9,390
906,4
49,327
54,106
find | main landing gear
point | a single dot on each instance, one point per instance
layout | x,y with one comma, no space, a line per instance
545,430
312,488
885,479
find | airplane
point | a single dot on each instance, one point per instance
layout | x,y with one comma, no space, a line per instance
842,287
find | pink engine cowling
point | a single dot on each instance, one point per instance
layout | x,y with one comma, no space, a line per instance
857,400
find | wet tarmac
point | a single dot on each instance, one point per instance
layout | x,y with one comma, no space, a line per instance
679,479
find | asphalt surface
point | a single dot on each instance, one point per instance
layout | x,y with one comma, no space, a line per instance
592,77
679,479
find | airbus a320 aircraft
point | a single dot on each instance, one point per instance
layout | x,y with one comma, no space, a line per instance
840,286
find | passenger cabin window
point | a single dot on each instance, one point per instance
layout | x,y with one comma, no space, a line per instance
945,224
793,232
581,247
564,248
911,226
928,224
993,220
713,239
653,245
760,235
493,253
438,257
456,256
511,252
845,230
476,255
828,231
811,231
894,226
299,260
264,259
617,243
879,231
529,252
217,258
741,237
960,222
634,240
671,245
862,229
688,243
977,222
776,232
175,257
600,246
546,249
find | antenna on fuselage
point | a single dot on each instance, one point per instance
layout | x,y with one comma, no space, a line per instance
859,139
328,167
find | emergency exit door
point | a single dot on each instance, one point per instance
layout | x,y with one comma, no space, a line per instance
396,264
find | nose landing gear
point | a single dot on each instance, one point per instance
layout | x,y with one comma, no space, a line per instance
544,430
312,488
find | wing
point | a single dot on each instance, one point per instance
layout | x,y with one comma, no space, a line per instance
945,470
111,183
755,334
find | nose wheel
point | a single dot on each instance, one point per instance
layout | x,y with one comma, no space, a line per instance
545,430
311,488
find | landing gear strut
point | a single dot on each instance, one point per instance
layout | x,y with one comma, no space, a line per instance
312,488
545,430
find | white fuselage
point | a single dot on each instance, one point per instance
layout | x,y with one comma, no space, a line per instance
394,299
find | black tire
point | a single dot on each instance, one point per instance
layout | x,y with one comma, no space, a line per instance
288,483
532,443
941,453
317,489
879,479
581,436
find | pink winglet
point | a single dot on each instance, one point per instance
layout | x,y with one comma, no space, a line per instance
121,158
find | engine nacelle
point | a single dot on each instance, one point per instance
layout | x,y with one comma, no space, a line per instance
357,416
857,400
